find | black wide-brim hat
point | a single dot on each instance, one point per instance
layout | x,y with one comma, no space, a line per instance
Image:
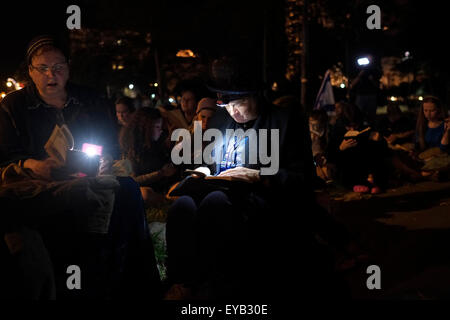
234,78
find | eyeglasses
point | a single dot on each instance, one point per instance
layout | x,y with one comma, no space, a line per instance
56,68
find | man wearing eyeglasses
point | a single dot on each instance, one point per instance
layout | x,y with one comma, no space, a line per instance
227,241
28,116
27,120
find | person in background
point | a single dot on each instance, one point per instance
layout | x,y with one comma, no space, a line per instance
432,125
365,88
359,160
429,159
318,128
143,144
431,154
395,127
188,103
205,111
124,110
192,91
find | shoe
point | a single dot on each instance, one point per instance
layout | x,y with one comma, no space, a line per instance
361,189
375,190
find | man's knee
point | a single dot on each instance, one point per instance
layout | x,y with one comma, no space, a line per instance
184,208
216,199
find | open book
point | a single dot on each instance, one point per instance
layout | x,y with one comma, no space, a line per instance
59,143
355,134
60,147
205,173
199,183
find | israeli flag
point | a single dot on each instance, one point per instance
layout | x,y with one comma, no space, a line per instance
325,97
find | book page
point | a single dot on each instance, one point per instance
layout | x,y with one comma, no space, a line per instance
60,141
355,133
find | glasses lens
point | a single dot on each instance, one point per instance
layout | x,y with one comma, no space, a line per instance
58,67
42,69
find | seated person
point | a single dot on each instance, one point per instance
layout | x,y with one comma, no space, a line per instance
359,160
430,158
192,91
396,128
124,110
117,260
431,130
205,111
318,127
220,244
173,119
143,144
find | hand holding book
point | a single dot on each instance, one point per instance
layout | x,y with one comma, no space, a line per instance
199,182
42,169
59,143
355,134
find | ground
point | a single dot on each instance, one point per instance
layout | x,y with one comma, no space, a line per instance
406,232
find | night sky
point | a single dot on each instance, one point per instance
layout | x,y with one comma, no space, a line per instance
418,26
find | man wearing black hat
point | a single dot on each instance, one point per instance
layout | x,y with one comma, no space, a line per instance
257,241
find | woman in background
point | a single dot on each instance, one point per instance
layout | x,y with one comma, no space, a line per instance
143,144
124,110
431,129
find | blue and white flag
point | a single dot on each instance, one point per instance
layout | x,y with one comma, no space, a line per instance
325,97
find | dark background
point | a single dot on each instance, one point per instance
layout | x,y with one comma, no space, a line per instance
215,27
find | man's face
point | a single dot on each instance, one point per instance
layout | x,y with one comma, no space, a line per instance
123,114
188,102
242,110
49,72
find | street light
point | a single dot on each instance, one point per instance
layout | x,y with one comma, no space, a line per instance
364,61
11,82
393,98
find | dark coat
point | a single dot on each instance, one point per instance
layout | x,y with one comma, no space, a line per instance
26,122
295,157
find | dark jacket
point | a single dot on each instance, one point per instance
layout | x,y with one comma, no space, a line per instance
26,122
293,214
295,157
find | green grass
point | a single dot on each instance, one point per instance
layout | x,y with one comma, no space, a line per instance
160,254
